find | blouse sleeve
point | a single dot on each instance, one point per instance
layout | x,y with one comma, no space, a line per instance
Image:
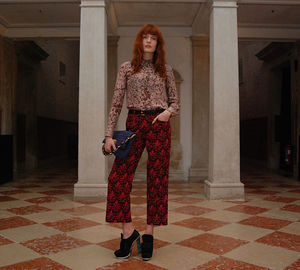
173,99
117,99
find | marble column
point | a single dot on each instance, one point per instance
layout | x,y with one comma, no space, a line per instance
92,166
224,148
199,168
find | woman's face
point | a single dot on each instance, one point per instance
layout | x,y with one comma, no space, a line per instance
149,43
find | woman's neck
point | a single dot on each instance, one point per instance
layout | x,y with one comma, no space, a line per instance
147,56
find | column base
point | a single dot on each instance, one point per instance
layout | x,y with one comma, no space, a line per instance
229,191
198,174
89,191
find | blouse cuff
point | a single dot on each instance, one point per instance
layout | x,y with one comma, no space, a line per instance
109,133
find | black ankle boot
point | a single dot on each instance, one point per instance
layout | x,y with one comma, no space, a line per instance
147,247
126,245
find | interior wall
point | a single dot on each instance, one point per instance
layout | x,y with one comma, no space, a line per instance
254,85
260,101
179,56
259,105
59,99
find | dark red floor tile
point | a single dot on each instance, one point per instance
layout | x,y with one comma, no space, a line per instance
54,244
212,243
294,191
14,222
72,224
292,208
7,199
282,239
5,241
200,223
247,209
294,266
264,222
27,210
280,199
45,199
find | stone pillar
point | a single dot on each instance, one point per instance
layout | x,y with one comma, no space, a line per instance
199,168
224,148
8,78
92,165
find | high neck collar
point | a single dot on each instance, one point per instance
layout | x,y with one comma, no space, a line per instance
147,62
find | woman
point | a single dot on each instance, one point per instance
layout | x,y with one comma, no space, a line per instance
152,99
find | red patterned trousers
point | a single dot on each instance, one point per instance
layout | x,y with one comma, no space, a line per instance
157,140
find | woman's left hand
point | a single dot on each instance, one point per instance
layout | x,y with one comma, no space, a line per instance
164,116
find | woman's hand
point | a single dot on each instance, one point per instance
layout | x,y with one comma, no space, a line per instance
109,143
164,116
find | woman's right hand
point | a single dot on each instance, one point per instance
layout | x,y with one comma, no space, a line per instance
109,143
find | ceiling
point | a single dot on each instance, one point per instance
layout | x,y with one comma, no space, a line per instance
39,15
163,14
269,15
15,16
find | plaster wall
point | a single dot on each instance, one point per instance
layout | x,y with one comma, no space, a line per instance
254,97
179,56
59,100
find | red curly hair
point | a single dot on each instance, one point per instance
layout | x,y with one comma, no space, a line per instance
159,59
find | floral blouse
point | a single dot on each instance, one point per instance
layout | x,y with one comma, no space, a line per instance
145,90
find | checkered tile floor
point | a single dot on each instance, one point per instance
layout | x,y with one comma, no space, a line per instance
42,227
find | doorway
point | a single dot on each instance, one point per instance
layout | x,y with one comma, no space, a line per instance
285,127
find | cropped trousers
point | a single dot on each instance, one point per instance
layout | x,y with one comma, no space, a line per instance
157,140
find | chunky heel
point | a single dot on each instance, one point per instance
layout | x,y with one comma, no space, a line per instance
147,247
126,245
139,247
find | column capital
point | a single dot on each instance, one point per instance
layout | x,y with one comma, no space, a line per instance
222,4
200,41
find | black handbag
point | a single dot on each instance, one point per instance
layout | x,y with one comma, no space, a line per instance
123,140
